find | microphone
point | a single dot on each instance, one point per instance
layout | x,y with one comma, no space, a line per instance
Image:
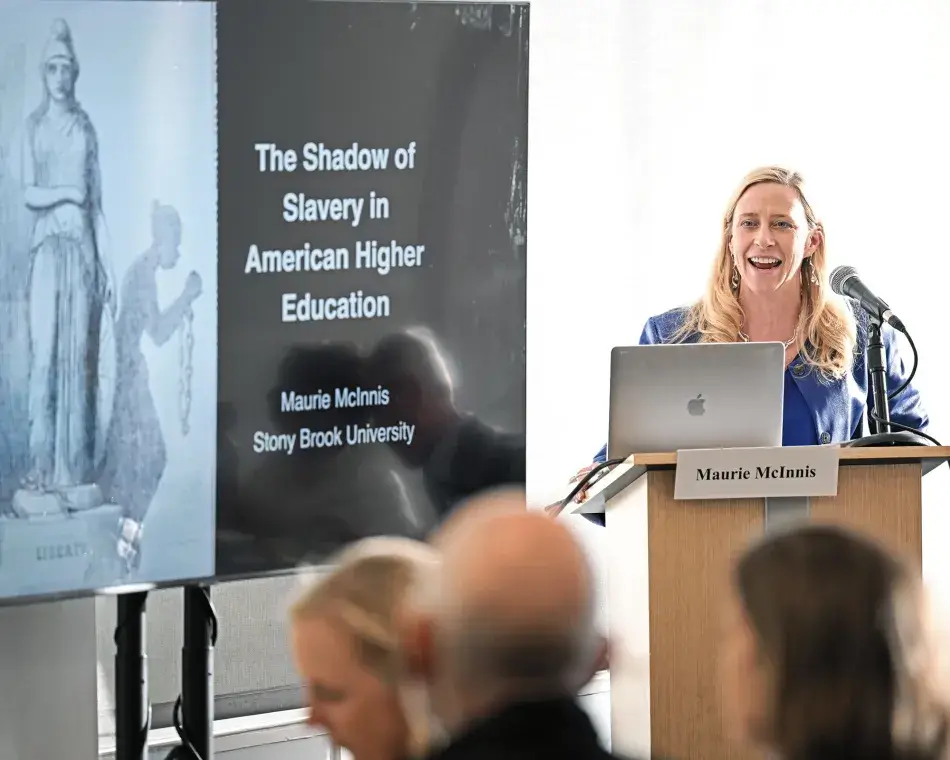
845,282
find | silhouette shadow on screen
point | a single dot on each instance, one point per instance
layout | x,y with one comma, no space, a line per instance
457,454
301,502
135,452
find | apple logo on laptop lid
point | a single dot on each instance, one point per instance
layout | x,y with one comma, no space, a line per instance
696,406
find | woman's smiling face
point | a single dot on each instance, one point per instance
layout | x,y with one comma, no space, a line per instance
770,237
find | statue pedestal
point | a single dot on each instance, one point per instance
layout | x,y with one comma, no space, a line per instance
44,503
45,548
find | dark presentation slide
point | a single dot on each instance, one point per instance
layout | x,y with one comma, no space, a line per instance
371,303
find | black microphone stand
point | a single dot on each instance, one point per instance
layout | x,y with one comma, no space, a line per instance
879,416
877,374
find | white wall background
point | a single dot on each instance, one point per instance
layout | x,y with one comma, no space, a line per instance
644,118
645,115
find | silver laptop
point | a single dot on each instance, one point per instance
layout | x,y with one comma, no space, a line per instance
695,396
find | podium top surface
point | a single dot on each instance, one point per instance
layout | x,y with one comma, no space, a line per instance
933,455
621,476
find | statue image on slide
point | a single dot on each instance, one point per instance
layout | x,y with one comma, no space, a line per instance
82,440
135,454
71,288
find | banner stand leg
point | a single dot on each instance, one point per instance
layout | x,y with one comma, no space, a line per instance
194,711
132,710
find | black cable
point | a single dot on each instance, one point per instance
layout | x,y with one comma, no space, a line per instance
913,436
904,436
913,369
186,749
600,468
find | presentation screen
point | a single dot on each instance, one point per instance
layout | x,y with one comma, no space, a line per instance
263,282
371,220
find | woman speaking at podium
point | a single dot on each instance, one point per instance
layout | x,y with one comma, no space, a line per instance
770,283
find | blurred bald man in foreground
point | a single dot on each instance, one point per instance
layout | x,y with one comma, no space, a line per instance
504,636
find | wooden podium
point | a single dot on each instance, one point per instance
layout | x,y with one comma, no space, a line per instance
668,577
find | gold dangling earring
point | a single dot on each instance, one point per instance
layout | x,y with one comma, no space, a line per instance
809,273
735,279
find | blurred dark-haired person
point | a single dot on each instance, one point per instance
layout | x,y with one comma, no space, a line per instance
829,652
770,282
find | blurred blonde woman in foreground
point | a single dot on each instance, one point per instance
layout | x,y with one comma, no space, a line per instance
830,652
344,629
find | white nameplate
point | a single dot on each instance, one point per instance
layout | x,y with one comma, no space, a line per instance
756,473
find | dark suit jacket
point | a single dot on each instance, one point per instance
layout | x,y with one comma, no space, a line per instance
556,729
478,458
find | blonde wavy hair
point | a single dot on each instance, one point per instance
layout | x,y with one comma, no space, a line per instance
364,595
827,326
